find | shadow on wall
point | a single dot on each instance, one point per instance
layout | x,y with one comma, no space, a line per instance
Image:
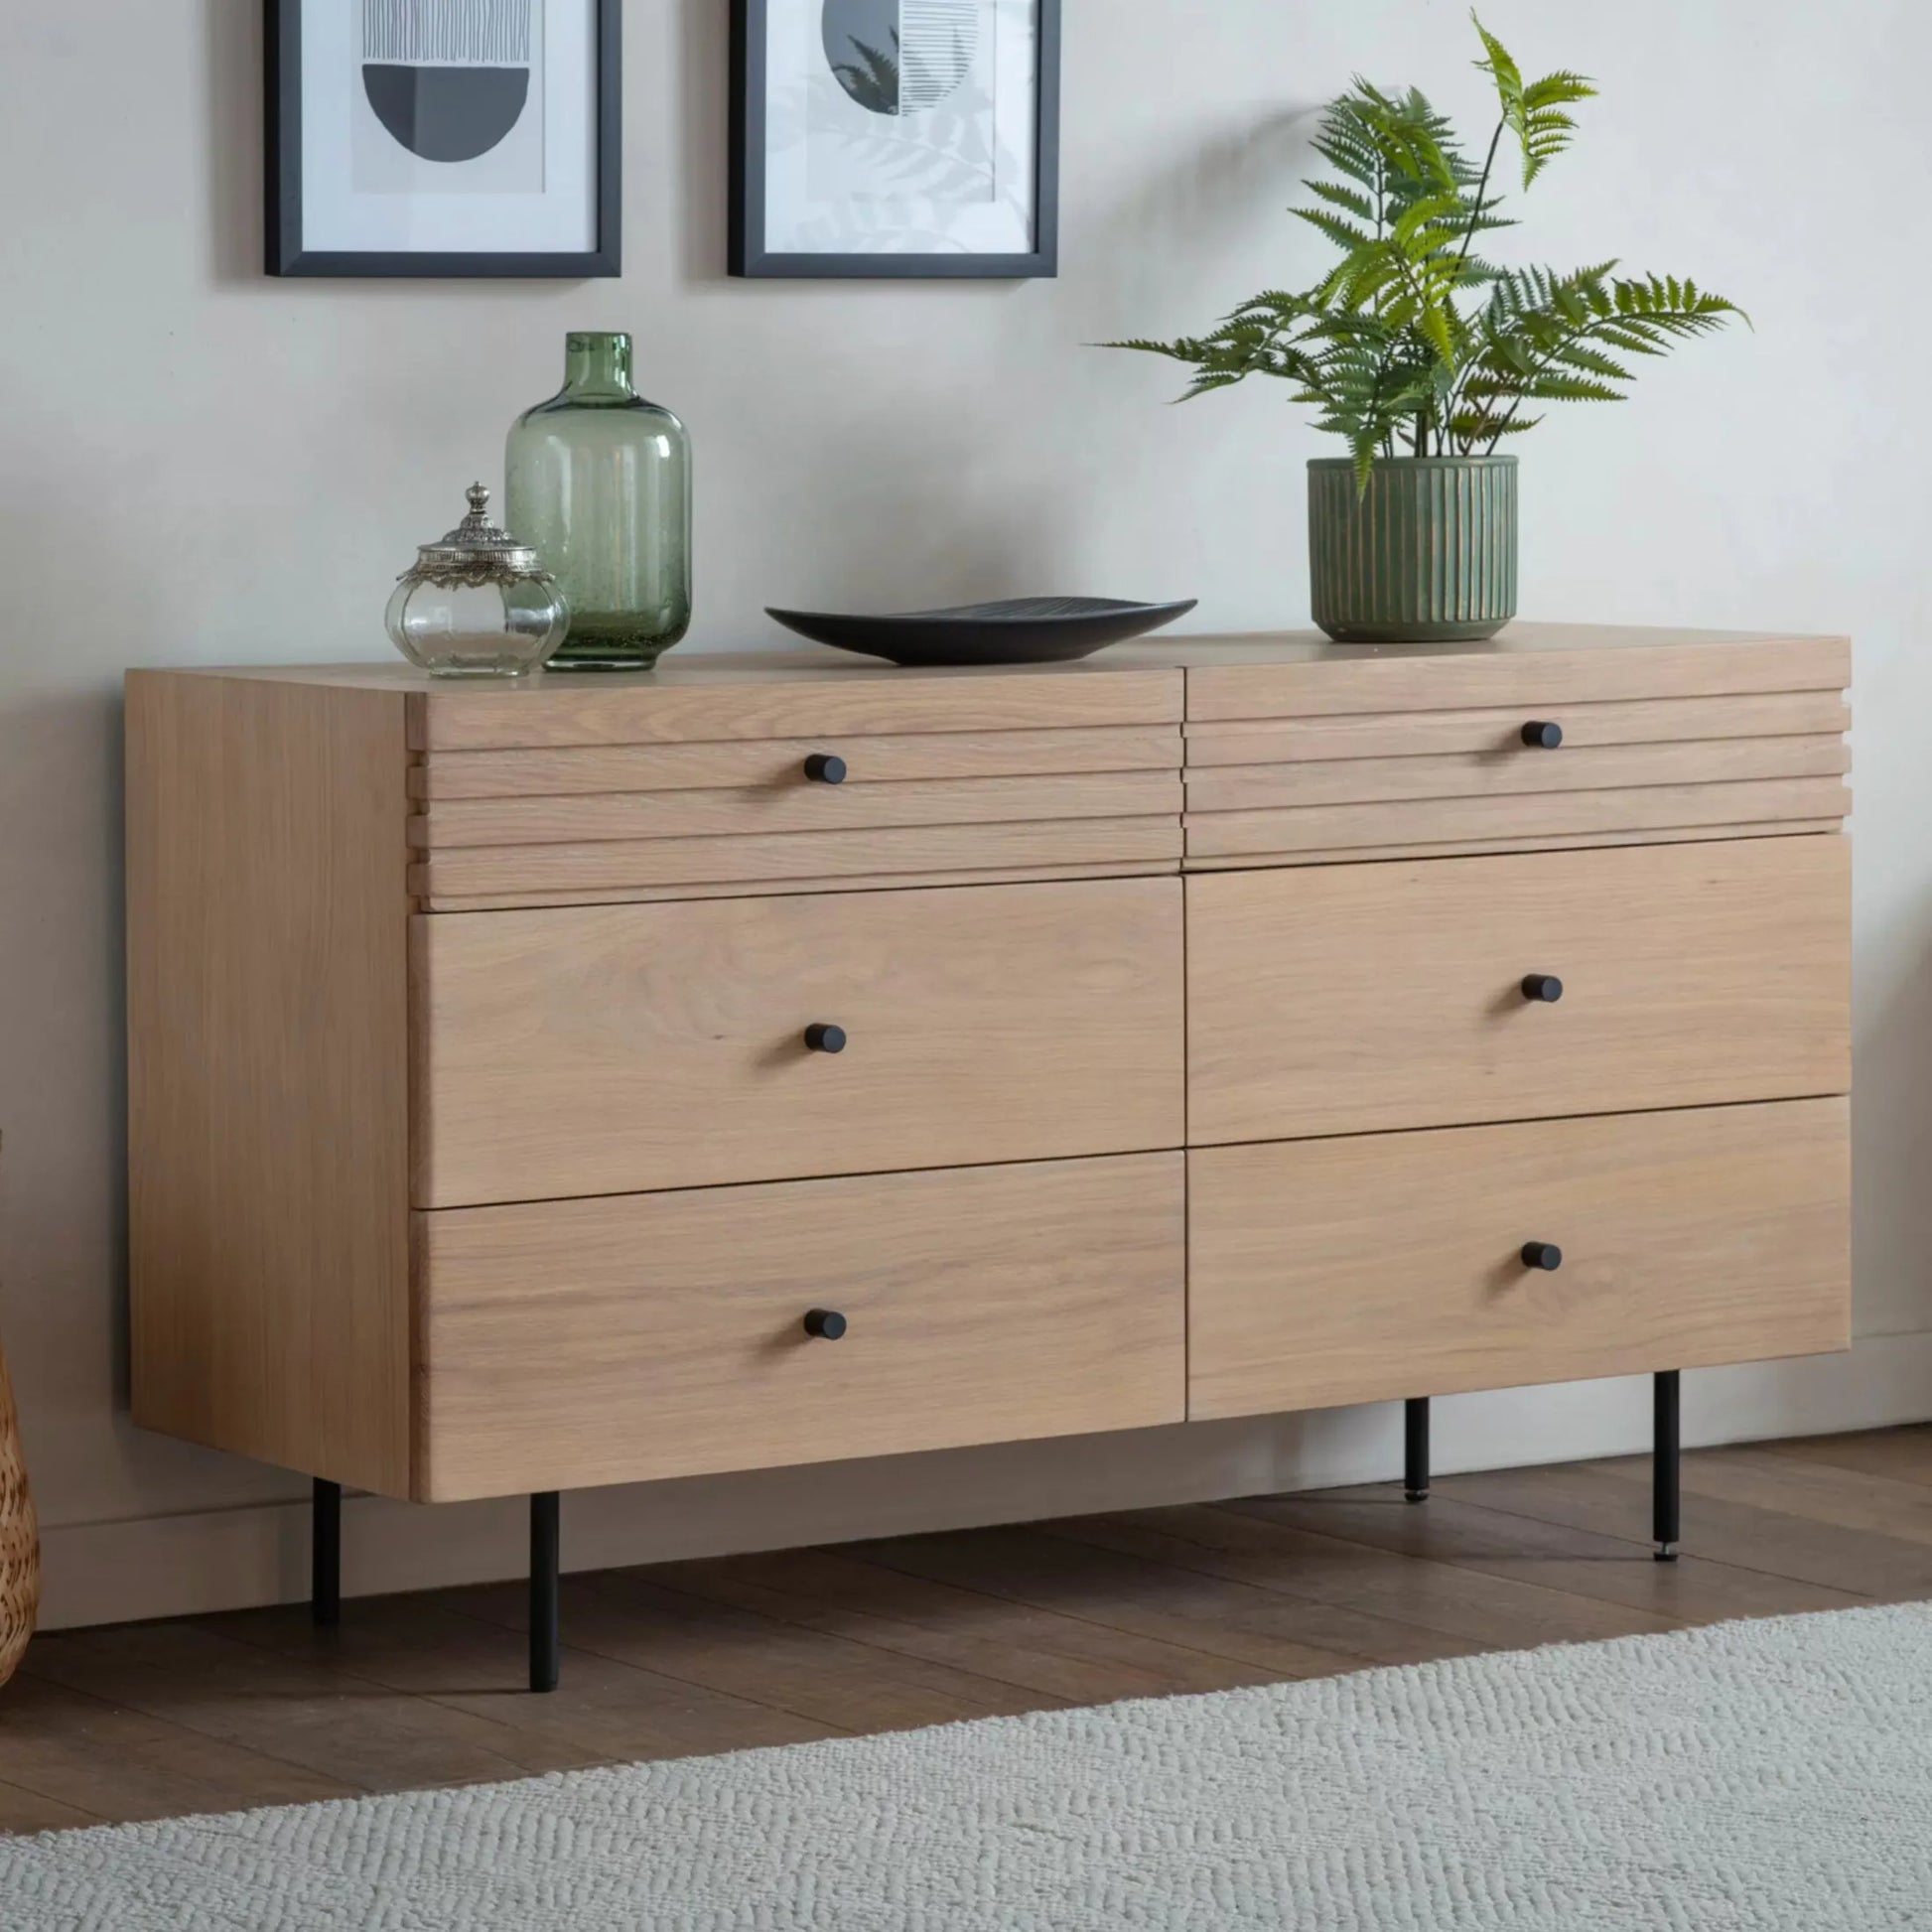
63,1061
703,138
1891,1142
1208,195
234,29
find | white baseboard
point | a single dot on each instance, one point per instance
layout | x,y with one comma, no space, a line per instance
234,1559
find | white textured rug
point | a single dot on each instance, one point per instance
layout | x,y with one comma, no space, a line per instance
1762,1775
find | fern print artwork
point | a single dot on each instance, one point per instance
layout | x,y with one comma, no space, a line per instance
1413,343
917,71
896,137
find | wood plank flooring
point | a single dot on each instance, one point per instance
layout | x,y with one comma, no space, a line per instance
221,1712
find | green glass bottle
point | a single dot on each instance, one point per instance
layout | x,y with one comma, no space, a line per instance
598,483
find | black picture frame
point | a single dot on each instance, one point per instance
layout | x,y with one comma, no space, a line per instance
286,256
748,255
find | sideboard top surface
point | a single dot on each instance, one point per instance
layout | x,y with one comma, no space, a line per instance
808,664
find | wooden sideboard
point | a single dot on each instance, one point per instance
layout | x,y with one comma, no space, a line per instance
783,1058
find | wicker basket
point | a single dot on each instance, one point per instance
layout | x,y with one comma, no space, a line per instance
20,1548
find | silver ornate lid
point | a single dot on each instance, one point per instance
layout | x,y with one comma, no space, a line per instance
476,552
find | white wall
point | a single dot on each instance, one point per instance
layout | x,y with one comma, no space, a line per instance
197,465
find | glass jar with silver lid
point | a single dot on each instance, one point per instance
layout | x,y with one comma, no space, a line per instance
476,603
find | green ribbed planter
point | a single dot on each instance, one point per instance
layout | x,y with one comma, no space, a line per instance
1428,556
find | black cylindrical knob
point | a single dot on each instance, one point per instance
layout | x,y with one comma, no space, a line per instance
825,1324
824,1039
1545,1255
1543,988
823,768
1542,736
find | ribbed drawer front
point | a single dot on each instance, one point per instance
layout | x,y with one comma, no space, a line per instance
1371,757
578,1342
777,765
1392,1264
592,1050
445,829
693,699
1354,999
1529,668
1495,733
590,823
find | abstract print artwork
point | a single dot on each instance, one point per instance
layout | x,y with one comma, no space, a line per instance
444,137
894,137
450,84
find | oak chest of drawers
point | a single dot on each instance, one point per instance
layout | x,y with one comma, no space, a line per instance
784,1059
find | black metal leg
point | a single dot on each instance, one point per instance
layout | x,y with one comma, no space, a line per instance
1664,1468
546,1563
1415,1449
326,1553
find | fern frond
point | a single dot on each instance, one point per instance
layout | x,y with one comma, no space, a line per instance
1579,355
1345,234
1345,199
1411,339
1182,352
1534,111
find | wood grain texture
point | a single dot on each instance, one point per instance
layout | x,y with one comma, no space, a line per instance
1770,828
1520,771
796,888
268,1072
1352,999
1065,1656
593,1341
1052,1568
1901,1455
96,1755
760,1659
789,694
1523,668
462,1648
1456,1613
1549,814
590,1051
596,769
1383,1266
562,870
795,805
1638,721
368,1736
1587,1564
1782,1541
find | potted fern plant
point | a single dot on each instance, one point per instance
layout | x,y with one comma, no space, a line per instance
1426,357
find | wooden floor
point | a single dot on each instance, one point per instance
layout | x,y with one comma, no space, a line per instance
221,1712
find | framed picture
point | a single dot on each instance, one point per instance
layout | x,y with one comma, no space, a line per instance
444,137
896,137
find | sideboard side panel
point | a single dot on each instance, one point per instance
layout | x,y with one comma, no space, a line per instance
268,1072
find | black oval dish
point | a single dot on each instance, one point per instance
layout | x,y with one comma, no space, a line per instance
1016,631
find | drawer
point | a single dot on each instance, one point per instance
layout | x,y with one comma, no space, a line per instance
777,765
570,1344
1511,772
1529,669
608,1050
1495,735
1373,755
698,784
792,804
1390,1265
696,698
891,858
1351,999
